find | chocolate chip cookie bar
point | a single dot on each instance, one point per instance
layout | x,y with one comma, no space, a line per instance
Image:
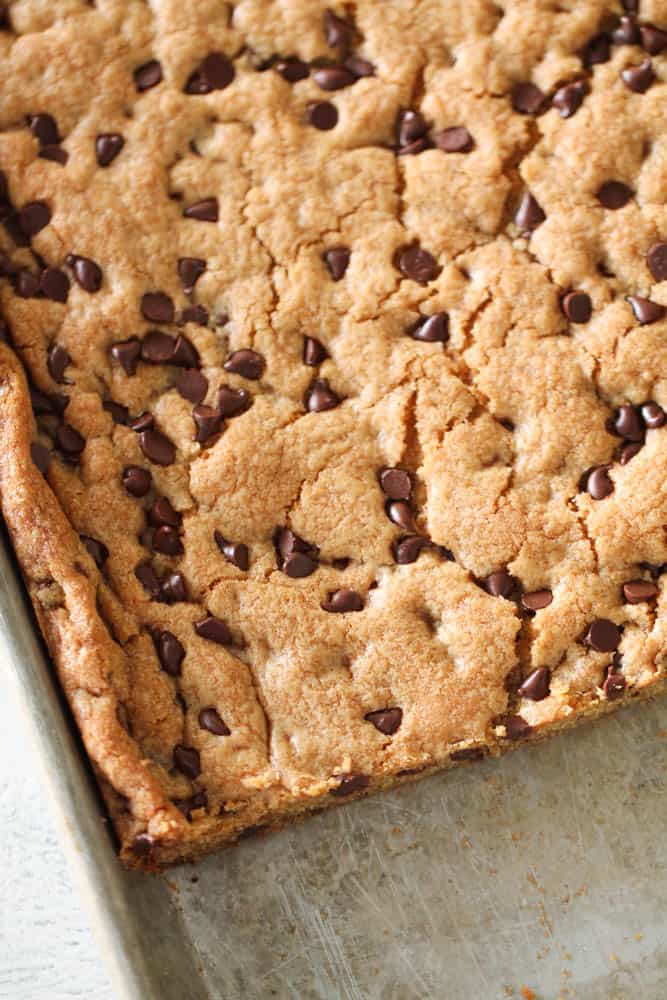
333,443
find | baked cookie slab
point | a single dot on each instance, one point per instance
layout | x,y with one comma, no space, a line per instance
332,433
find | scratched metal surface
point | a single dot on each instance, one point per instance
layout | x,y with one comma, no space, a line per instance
546,870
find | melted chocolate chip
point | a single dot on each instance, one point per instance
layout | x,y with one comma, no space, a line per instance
603,635
143,845
656,259
614,685
44,128
469,753
235,553
386,720
210,720
292,70
54,284
653,40
191,804
499,584
213,629
157,447
629,451
408,549
157,348
597,51
192,385
205,210
336,30
126,353
185,354
628,423
432,329
614,195
144,422
639,78
208,422
162,513
249,364
528,99
69,441
454,140
350,783
653,415
568,99
529,214
516,728
215,72
625,32
148,75
173,589
410,126
320,397
33,217
536,685
577,306
417,264
322,115
314,353
337,260
166,541
396,483
342,601
107,147
333,77
190,270
232,402
57,361
646,311
86,272
96,549
598,483
400,513
186,760
157,307
56,154
26,284
41,456
137,481
536,600
194,314
148,579
638,591
359,67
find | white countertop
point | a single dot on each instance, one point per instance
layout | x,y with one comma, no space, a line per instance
47,951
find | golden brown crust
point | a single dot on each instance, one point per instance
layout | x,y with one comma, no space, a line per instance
506,374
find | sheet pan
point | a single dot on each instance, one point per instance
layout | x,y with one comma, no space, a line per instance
545,871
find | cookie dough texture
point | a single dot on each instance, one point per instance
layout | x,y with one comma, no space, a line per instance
496,426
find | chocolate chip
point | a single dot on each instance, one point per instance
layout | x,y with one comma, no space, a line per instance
410,125
628,423
162,513
336,30
56,154
147,577
653,415
54,284
167,541
516,728
215,72
298,565
41,456
148,75
395,483
598,483
322,115
292,70
432,329
186,760
342,601
157,348
454,140
408,549
205,210
625,32
208,422
173,589
527,99
638,591
645,311
568,99
185,354
157,447
597,51
137,481
359,67
43,404
189,805
194,314
577,306
337,259
469,753
26,284
69,441
210,720
320,397
44,129
314,353
57,361
614,685
655,569
245,362
351,783
536,685
603,635
232,402
33,217
107,147
96,549
333,77
536,600
143,845
400,513
614,195
653,39
190,269
499,584
235,553
639,78
656,259
529,214
192,385
629,451
87,273
417,264
126,353
386,720
157,307
144,422
213,629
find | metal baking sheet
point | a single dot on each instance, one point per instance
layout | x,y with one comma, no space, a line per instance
545,871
